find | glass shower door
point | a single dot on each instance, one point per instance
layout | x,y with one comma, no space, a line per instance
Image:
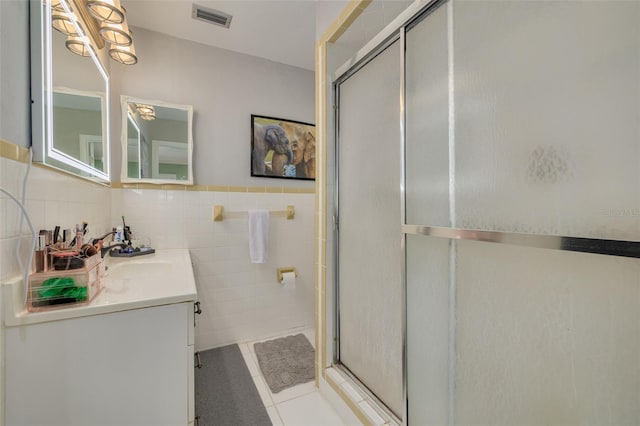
523,127
369,242
427,193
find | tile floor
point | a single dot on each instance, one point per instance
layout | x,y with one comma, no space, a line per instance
300,405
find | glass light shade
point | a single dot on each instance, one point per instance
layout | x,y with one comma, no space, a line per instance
123,54
63,22
78,45
109,11
148,117
145,109
117,34
56,6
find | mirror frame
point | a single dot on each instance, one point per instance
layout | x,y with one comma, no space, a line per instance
42,90
125,165
124,175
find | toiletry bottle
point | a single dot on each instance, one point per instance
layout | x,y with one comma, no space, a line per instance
119,237
41,254
79,236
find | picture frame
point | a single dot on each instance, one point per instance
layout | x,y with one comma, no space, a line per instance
282,148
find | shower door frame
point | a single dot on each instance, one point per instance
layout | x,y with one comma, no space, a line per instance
361,63
396,31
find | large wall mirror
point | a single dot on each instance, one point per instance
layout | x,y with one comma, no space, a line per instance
157,143
70,93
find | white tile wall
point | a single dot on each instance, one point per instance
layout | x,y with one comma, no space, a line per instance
52,199
241,301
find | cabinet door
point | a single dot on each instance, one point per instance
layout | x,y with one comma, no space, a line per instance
191,407
125,368
193,309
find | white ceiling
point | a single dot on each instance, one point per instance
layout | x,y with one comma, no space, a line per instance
280,30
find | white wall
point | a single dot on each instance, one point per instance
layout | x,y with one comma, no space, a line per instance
225,88
52,199
14,72
326,12
240,301
14,113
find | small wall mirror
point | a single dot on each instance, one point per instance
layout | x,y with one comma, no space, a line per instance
71,94
157,144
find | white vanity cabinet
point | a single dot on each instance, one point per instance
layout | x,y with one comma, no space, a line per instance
132,367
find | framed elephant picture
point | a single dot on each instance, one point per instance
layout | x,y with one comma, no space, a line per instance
282,148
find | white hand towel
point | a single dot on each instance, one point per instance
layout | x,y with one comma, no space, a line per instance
258,235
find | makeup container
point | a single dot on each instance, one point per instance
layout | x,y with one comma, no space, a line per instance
63,288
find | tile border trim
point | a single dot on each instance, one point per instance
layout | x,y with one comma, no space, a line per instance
13,152
214,188
344,20
18,153
347,400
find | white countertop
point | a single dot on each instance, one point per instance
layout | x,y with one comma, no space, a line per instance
161,278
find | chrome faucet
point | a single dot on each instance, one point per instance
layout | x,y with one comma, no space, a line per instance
95,240
125,244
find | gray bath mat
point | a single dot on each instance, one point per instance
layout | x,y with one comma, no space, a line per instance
286,362
225,393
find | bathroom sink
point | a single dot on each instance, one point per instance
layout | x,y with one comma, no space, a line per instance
135,279
139,271
161,278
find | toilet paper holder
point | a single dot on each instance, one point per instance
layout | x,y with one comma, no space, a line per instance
285,270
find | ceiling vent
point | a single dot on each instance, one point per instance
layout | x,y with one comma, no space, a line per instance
211,16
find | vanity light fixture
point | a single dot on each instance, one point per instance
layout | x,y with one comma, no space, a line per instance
117,34
148,117
63,22
113,28
124,54
109,11
145,109
56,6
79,45
146,112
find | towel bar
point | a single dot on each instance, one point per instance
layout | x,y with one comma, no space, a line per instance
219,214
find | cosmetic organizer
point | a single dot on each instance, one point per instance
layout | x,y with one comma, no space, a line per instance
58,289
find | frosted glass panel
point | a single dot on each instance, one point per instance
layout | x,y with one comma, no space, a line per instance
427,122
546,337
545,134
547,107
428,330
370,234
